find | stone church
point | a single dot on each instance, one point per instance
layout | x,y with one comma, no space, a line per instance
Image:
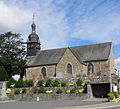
68,62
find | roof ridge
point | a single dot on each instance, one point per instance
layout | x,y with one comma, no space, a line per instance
90,44
54,49
76,46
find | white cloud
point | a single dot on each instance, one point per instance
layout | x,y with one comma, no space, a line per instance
117,61
51,25
101,24
12,18
57,23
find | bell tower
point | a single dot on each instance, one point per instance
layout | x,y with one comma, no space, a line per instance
33,42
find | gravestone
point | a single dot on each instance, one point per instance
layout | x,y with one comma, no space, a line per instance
59,75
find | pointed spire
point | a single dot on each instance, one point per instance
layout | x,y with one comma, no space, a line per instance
33,24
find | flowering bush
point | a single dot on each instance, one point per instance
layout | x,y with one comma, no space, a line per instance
71,84
40,83
18,91
43,85
12,85
113,95
110,96
8,91
49,91
10,82
68,91
81,90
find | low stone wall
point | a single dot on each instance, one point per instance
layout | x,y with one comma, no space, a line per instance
47,97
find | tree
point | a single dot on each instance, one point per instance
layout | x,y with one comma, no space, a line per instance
12,53
3,74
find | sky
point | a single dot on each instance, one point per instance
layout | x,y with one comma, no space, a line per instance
63,23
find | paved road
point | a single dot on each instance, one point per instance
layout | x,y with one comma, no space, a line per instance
48,104
65,104
108,105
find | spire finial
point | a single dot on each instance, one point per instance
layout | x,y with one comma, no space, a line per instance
33,17
33,24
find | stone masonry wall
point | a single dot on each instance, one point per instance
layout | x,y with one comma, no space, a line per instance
111,61
99,66
68,57
35,71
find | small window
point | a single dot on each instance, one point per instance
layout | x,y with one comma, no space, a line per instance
43,71
69,68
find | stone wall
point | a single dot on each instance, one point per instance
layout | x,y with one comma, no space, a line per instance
99,66
111,61
105,67
35,71
46,97
69,58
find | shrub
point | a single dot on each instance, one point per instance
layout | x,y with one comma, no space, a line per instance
58,91
76,91
72,90
40,83
79,82
63,84
27,83
68,91
19,83
116,94
49,91
56,83
41,90
12,85
49,83
8,91
24,90
18,91
110,95
81,90
10,82
71,84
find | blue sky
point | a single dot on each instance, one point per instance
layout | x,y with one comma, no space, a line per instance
62,23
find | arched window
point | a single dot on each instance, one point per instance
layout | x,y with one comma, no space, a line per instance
90,68
69,68
43,71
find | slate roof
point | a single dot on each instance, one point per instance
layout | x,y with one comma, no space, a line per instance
46,57
93,52
86,53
